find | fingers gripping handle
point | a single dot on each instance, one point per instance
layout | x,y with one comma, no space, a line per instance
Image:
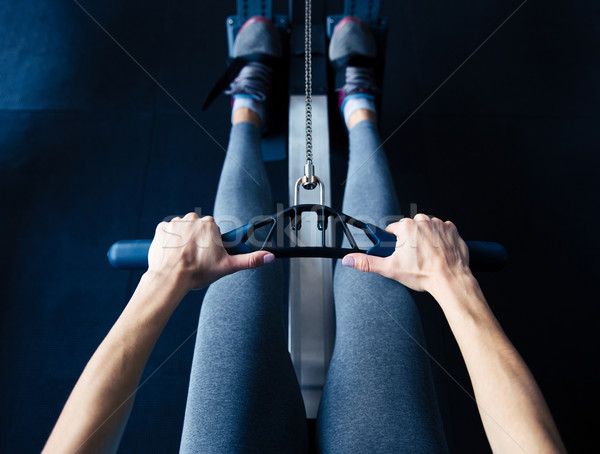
133,254
483,255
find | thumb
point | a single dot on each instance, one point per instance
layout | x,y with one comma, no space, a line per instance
364,262
249,261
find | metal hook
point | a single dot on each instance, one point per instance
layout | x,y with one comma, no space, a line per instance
304,182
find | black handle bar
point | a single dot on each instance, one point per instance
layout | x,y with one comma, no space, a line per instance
133,254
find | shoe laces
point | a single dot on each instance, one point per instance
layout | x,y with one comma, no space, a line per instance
359,80
254,80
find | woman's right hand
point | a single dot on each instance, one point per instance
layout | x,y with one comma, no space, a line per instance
188,253
428,253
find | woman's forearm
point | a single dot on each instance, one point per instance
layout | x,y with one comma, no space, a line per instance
95,414
512,408
431,256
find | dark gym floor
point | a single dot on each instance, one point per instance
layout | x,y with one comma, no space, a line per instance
92,151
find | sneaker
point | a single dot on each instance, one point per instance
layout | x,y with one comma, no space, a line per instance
256,50
353,53
258,44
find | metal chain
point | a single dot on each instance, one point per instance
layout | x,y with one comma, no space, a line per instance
309,181
308,77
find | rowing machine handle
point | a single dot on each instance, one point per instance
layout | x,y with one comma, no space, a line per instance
483,255
129,254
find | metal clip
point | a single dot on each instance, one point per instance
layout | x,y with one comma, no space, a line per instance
315,182
322,222
309,180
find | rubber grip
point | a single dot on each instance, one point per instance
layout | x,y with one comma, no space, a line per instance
129,254
486,256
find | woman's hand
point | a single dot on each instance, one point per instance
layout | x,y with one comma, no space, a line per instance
428,251
188,253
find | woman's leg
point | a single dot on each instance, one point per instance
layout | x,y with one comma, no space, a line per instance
379,395
243,393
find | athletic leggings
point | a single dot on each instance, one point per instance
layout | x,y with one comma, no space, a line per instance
243,397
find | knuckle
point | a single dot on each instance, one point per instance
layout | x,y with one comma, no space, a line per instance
206,223
408,223
252,261
363,265
191,215
451,226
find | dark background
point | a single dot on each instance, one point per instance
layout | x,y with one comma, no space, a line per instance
92,151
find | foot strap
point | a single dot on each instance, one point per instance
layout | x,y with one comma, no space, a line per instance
341,64
232,72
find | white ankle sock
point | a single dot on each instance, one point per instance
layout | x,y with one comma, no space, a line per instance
251,103
357,101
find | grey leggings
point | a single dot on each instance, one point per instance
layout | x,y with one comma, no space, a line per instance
243,393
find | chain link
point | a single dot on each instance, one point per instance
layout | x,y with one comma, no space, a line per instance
308,77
